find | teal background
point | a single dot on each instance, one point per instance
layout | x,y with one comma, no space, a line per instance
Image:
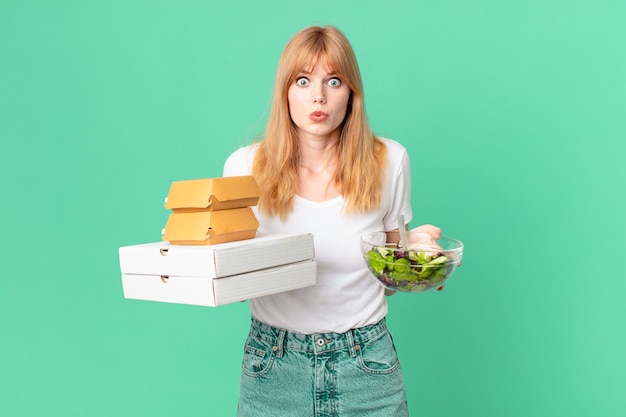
514,117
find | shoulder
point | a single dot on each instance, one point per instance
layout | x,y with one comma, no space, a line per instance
240,161
396,152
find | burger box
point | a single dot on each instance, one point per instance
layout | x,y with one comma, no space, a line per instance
212,194
210,227
214,275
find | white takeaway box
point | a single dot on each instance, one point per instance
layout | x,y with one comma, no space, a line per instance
213,275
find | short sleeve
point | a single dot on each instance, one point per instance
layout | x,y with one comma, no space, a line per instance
400,186
239,162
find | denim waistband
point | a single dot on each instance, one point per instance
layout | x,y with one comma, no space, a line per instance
317,342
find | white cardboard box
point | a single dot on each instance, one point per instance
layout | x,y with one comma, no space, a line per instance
214,292
218,274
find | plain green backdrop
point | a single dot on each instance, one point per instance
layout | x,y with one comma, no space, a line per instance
514,114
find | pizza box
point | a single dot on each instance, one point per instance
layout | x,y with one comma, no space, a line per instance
213,292
213,275
216,261
210,194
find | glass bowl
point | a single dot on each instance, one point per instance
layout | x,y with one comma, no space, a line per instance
424,265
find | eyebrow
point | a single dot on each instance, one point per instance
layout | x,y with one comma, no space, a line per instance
306,72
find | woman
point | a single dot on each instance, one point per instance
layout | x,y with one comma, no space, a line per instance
324,350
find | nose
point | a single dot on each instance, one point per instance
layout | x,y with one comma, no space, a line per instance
319,96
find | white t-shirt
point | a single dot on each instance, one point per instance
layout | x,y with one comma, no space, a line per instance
345,296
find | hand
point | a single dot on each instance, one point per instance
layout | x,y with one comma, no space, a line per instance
434,231
424,238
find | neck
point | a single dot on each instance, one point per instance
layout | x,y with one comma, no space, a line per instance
317,156
317,153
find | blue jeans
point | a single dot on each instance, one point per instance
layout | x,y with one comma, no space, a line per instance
356,373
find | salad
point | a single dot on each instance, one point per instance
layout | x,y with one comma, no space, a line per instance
415,269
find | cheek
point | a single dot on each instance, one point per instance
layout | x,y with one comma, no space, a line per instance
342,104
294,102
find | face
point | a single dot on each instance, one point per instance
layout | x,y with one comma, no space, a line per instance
318,101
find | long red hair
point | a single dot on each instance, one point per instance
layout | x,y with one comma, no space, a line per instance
361,156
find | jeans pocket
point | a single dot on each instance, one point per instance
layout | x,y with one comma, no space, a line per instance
378,355
258,357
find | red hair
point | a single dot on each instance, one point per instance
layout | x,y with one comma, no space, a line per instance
361,156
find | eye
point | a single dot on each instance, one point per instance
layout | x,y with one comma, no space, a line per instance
334,82
302,81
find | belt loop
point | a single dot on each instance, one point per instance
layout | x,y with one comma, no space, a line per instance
280,342
350,340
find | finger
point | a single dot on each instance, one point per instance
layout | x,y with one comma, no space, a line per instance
434,231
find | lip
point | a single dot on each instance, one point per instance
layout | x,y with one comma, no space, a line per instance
318,116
